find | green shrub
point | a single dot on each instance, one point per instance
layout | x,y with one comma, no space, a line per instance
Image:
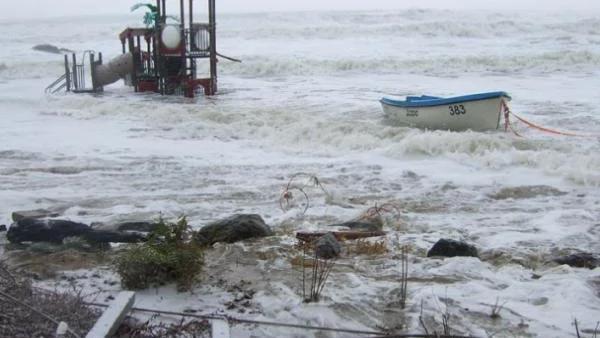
167,256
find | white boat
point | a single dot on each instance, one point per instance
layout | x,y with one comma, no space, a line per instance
478,112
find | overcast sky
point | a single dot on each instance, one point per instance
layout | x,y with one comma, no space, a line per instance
42,8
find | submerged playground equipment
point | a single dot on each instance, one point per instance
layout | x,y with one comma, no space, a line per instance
161,57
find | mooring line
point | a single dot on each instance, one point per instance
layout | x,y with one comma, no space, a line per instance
508,125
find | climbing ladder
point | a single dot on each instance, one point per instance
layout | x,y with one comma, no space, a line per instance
59,84
74,79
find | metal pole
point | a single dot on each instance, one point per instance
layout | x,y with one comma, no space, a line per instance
191,36
182,28
93,71
67,73
75,77
99,63
213,47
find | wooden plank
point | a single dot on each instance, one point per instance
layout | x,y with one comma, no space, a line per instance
220,328
111,319
339,235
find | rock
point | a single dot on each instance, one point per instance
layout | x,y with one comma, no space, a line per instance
51,49
359,225
107,236
452,248
49,230
327,247
2,227
37,213
579,260
136,226
233,229
56,231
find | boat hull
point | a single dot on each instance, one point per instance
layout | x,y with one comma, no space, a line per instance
478,115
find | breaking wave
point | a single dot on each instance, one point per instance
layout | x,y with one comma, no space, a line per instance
539,64
402,24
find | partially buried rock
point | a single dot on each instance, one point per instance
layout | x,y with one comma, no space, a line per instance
44,230
140,226
327,247
452,248
37,213
107,236
233,229
579,260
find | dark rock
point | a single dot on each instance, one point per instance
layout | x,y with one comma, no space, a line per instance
37,213
233,229
51,49
2,227
452,248
136,226
579,260
359,225
56,231
107,236
50,230
327,247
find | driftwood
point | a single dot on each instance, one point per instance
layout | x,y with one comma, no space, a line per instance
339,235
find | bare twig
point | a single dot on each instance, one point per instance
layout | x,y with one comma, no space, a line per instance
496,309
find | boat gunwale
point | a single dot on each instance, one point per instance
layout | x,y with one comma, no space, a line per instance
428,102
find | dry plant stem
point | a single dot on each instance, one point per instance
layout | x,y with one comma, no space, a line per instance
404,278
496,309
322,270
446,322
304,248
576,328
422,321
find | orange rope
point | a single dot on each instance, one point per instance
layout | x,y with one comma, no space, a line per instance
508,125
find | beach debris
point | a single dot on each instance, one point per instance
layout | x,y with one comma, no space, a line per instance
339,235
452,248
232,229
366,225
287,200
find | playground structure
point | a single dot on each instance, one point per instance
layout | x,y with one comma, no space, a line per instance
161,57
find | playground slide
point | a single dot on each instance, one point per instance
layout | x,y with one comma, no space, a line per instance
115,69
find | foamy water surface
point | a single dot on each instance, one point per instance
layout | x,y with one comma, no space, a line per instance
305,99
